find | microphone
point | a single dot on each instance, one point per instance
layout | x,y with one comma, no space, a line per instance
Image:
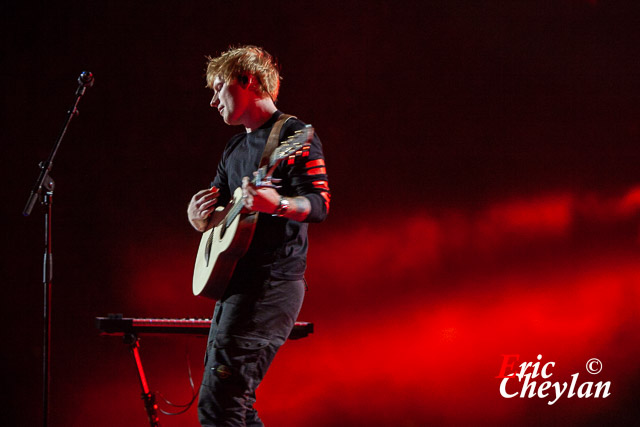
85,79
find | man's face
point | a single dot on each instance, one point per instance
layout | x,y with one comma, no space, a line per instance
231,100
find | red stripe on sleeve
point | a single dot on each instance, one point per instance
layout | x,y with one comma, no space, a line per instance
324,185
317,171
314,163
327,199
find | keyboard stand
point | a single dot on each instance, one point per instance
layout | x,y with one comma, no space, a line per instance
149,398
129,328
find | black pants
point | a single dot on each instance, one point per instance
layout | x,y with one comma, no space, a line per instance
247,329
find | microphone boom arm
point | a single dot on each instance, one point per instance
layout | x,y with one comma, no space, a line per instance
85,80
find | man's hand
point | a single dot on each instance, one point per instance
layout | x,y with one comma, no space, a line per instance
259,199
267,200
200,207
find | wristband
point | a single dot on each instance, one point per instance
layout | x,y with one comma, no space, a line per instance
283,207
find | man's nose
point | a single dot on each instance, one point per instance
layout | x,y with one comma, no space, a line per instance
214,101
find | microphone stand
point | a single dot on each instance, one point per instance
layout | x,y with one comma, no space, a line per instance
43,190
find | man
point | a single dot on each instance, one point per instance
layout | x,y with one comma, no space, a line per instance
264,296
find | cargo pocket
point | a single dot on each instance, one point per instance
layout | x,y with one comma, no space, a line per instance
241,354
241,342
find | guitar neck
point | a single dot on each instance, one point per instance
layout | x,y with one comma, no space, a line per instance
233,213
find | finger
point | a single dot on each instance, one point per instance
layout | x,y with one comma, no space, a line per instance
208,204
206,198
202,193
197,203
206,192
247,202
210,193
209,196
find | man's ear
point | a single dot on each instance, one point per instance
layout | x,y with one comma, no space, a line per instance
244,81
249,82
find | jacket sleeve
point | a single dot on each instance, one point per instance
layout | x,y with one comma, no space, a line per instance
220,181
307,176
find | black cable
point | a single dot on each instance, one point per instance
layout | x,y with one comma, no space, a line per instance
195,394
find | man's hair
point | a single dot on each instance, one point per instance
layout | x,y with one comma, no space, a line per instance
241,61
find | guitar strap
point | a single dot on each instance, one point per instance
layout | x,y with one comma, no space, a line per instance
272,142
274,139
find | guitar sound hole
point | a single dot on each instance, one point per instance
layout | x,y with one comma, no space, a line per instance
207,249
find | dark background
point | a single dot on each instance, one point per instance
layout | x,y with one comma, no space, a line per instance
483,161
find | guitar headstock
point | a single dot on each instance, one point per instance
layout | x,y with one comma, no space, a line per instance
297,142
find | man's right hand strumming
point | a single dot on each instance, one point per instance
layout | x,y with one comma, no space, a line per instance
200,207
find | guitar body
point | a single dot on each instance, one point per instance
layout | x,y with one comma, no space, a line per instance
220,249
